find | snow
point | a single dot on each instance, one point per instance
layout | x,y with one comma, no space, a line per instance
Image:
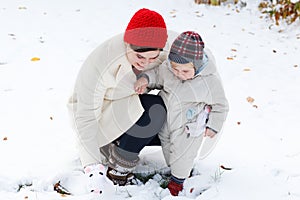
255,59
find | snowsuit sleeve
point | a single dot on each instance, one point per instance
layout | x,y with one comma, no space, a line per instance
218,102
155,77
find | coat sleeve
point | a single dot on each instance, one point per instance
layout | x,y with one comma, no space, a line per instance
90,91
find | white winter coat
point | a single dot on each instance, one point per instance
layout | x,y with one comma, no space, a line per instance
104,104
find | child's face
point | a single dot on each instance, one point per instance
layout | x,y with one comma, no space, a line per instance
183,71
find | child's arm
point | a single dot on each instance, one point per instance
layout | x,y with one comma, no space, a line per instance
141,84
151,79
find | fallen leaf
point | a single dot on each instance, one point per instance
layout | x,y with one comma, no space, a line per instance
26,197
247,70
295,65
173,11
51,118
255,106
274,51
238,123
60,189
191,190
5,139
229,58
250,99
225,168
35,59
233,50
22,8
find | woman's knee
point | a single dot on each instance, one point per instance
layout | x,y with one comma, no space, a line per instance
149,100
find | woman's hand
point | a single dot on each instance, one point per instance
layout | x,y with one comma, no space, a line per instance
140,85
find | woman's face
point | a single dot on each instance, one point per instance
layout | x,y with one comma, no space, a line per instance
140,60
183,71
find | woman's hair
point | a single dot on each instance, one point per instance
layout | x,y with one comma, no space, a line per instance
143,49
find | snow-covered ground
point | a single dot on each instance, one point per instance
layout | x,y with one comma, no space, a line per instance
42,46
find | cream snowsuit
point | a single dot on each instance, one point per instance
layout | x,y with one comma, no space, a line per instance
184,101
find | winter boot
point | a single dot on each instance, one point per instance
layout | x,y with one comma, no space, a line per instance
119,170
119,178
175,185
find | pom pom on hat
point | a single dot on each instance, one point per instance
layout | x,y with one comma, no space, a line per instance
146,28
187,47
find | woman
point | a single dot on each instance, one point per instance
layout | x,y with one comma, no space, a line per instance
107,112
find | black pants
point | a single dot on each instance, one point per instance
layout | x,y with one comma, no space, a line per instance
144,131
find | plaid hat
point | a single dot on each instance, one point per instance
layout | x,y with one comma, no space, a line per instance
146,28
187,47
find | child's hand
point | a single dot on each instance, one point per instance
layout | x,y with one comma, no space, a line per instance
140,85
209,133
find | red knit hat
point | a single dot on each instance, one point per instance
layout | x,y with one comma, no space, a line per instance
146,28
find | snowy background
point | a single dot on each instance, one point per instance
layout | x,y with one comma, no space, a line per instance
43,44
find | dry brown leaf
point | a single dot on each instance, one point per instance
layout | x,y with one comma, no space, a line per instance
51,118
250,99
173,12
247,70
233,50
225,168
295,65
60,189
5,139
229,58
255,106
238,123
